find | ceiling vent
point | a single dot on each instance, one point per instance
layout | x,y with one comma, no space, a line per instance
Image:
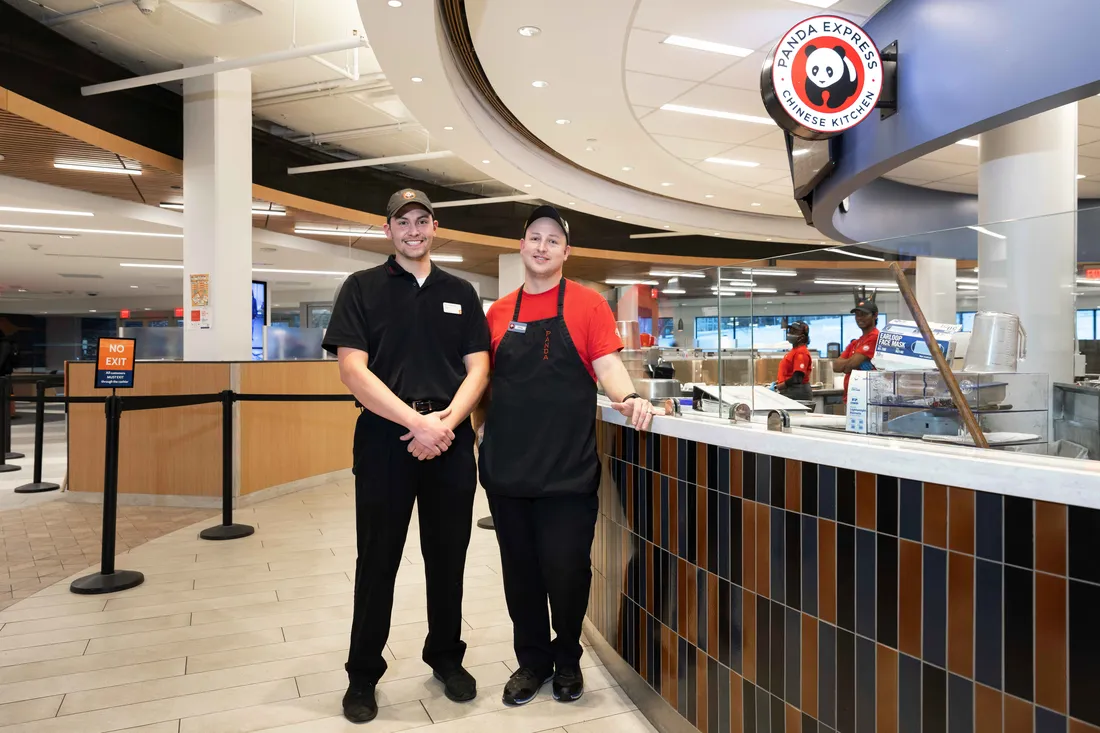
78,276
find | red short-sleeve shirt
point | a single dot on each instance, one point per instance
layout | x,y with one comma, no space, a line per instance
588,317
795,360
865,345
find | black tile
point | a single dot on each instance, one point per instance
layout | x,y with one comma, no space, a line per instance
826,492
1084,652
711,563
792,692
845,681
988,589
793,557
865,583
779,482
736,549
779,716
693,691
722,676
910,508
737,609
723,470
988,524
703,608
748,475
886,505
909,694
1047,721
681,460
846,577
809,565
934,700
826,673
654,651
845,496
1084,543
1019,638
690,465
1019,532
960,704
692,497
763,643
748,706
778,566
763,711
778,634
712,467
935,606
723,654
666,515
887,591
809,725
865,685
714,704
763,478
724,536
809,488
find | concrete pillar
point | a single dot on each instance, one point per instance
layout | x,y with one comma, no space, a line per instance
509,274
935,288
1027,266
217,217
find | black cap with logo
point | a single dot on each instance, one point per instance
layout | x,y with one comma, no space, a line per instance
407,196
547,212
865,302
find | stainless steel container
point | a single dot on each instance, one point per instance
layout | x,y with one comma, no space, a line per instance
997,342
630,333
657,390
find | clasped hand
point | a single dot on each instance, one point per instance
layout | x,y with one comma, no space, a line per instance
430,436
638,410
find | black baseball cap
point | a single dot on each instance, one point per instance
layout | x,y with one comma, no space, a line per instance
407,196
867,306
547,212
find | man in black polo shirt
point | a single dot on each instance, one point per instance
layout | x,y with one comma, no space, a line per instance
413,346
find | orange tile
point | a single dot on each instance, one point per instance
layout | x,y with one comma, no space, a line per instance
886,709
909,597
1019,716
935,515
672,468
748,635
794,485
960,521
809,665
737,703
701,710
1080,726
866,495
960,614
736,475
1050,642
763,550
826,572
987,709
1050,537
794,720
748,545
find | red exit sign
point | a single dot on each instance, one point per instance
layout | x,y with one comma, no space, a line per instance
124,313
1093,274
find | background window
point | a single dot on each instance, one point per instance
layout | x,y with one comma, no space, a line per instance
1086,325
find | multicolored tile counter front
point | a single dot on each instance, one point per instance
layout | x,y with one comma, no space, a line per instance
756,592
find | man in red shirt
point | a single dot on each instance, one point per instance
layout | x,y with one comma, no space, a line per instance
551,341
858,355
794,370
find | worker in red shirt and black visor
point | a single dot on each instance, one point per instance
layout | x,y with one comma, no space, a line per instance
858,355
794,370
551,341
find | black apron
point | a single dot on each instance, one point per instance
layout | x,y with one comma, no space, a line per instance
540,433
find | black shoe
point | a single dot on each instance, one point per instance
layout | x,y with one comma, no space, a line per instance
523,686
359,703
459,685
568,684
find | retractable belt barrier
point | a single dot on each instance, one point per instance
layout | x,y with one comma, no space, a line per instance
109,579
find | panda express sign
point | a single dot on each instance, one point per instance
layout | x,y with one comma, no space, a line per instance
824,77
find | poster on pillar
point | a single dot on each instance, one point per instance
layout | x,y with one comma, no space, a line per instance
198,317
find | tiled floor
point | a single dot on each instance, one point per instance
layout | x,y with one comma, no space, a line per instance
53,457
251,635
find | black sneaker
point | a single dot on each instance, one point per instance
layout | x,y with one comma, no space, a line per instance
523,686
458,685
568,684
359,703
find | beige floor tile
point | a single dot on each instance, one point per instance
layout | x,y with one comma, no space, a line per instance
168,726
268,653
81,681
29,710
118,630
498,617
269,605
31,655
390,719
314,684
28,611
632,722
542,715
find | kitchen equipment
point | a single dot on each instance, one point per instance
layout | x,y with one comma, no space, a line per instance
661,370
997,342
635,362
657,390
630,333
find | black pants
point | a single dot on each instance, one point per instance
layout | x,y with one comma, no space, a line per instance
387,481
546,551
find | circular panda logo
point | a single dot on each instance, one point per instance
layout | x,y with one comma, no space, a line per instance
824,77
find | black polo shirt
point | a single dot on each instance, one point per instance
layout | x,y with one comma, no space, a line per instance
415,335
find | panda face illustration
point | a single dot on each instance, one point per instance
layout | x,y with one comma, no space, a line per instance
831,77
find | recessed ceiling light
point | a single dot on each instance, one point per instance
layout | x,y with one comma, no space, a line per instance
969,142
395,3
417,79
673,291
666,226
527,185
728,161
448,128
58,212
540,84
92,310
708,196
150,266
671,273
300,272
572,203
616,281
135,287
718,234
64,236
717,113
20,290
1080,176
707,46
321,232
97,168
529,31
562,122
27,228
617,216
817,3
755,204
255,211
627,168
589,149
446,258
485,162
666,184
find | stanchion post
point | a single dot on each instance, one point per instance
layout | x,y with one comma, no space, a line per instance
38,486
227,530
109,580
5,427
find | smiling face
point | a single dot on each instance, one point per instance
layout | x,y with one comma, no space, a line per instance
544,248
412,230
824,66
865,320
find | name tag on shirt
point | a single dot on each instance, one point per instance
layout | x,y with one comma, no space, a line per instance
455,308
517,327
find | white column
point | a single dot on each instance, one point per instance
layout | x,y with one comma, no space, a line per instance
217,218
509,274
935,288
1027,266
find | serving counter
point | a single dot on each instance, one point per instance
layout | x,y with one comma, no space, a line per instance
747,580
173,456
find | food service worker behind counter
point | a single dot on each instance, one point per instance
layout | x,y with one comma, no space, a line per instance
795,368
859,353
552,339
413,346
